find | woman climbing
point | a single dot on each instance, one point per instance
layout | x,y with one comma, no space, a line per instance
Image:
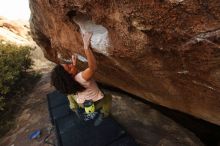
84,96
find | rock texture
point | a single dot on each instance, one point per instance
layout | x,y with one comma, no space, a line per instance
165,51
147,125
151,127
17,32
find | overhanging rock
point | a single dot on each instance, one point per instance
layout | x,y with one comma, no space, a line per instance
167,52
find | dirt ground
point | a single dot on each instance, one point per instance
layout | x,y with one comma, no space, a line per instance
148,126
33,115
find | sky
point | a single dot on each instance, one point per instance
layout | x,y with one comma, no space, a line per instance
15,9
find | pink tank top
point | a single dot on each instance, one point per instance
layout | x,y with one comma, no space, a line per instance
91,92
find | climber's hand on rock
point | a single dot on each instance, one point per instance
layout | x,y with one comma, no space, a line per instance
86,39
74,59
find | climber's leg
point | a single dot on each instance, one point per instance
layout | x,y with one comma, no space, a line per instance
104,105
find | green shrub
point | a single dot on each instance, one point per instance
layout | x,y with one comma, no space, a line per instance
14,61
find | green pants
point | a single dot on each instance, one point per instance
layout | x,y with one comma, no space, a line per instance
103,104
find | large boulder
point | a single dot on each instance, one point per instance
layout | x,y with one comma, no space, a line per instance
16,32
165,51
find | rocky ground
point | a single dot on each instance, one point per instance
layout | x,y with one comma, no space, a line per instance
147,125
17,32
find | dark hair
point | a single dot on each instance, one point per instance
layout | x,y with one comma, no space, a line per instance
64,82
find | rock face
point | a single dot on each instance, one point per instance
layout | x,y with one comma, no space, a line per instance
148,126
165,51
17,32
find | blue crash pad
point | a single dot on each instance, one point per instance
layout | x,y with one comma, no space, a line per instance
71,131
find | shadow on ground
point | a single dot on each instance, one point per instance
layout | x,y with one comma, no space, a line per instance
148,126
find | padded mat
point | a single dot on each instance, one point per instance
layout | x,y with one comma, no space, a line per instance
73,132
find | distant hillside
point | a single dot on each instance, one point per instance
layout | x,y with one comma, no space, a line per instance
18,32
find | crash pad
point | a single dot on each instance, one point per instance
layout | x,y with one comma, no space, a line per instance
71,131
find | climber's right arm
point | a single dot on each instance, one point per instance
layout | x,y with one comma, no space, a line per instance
88,73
